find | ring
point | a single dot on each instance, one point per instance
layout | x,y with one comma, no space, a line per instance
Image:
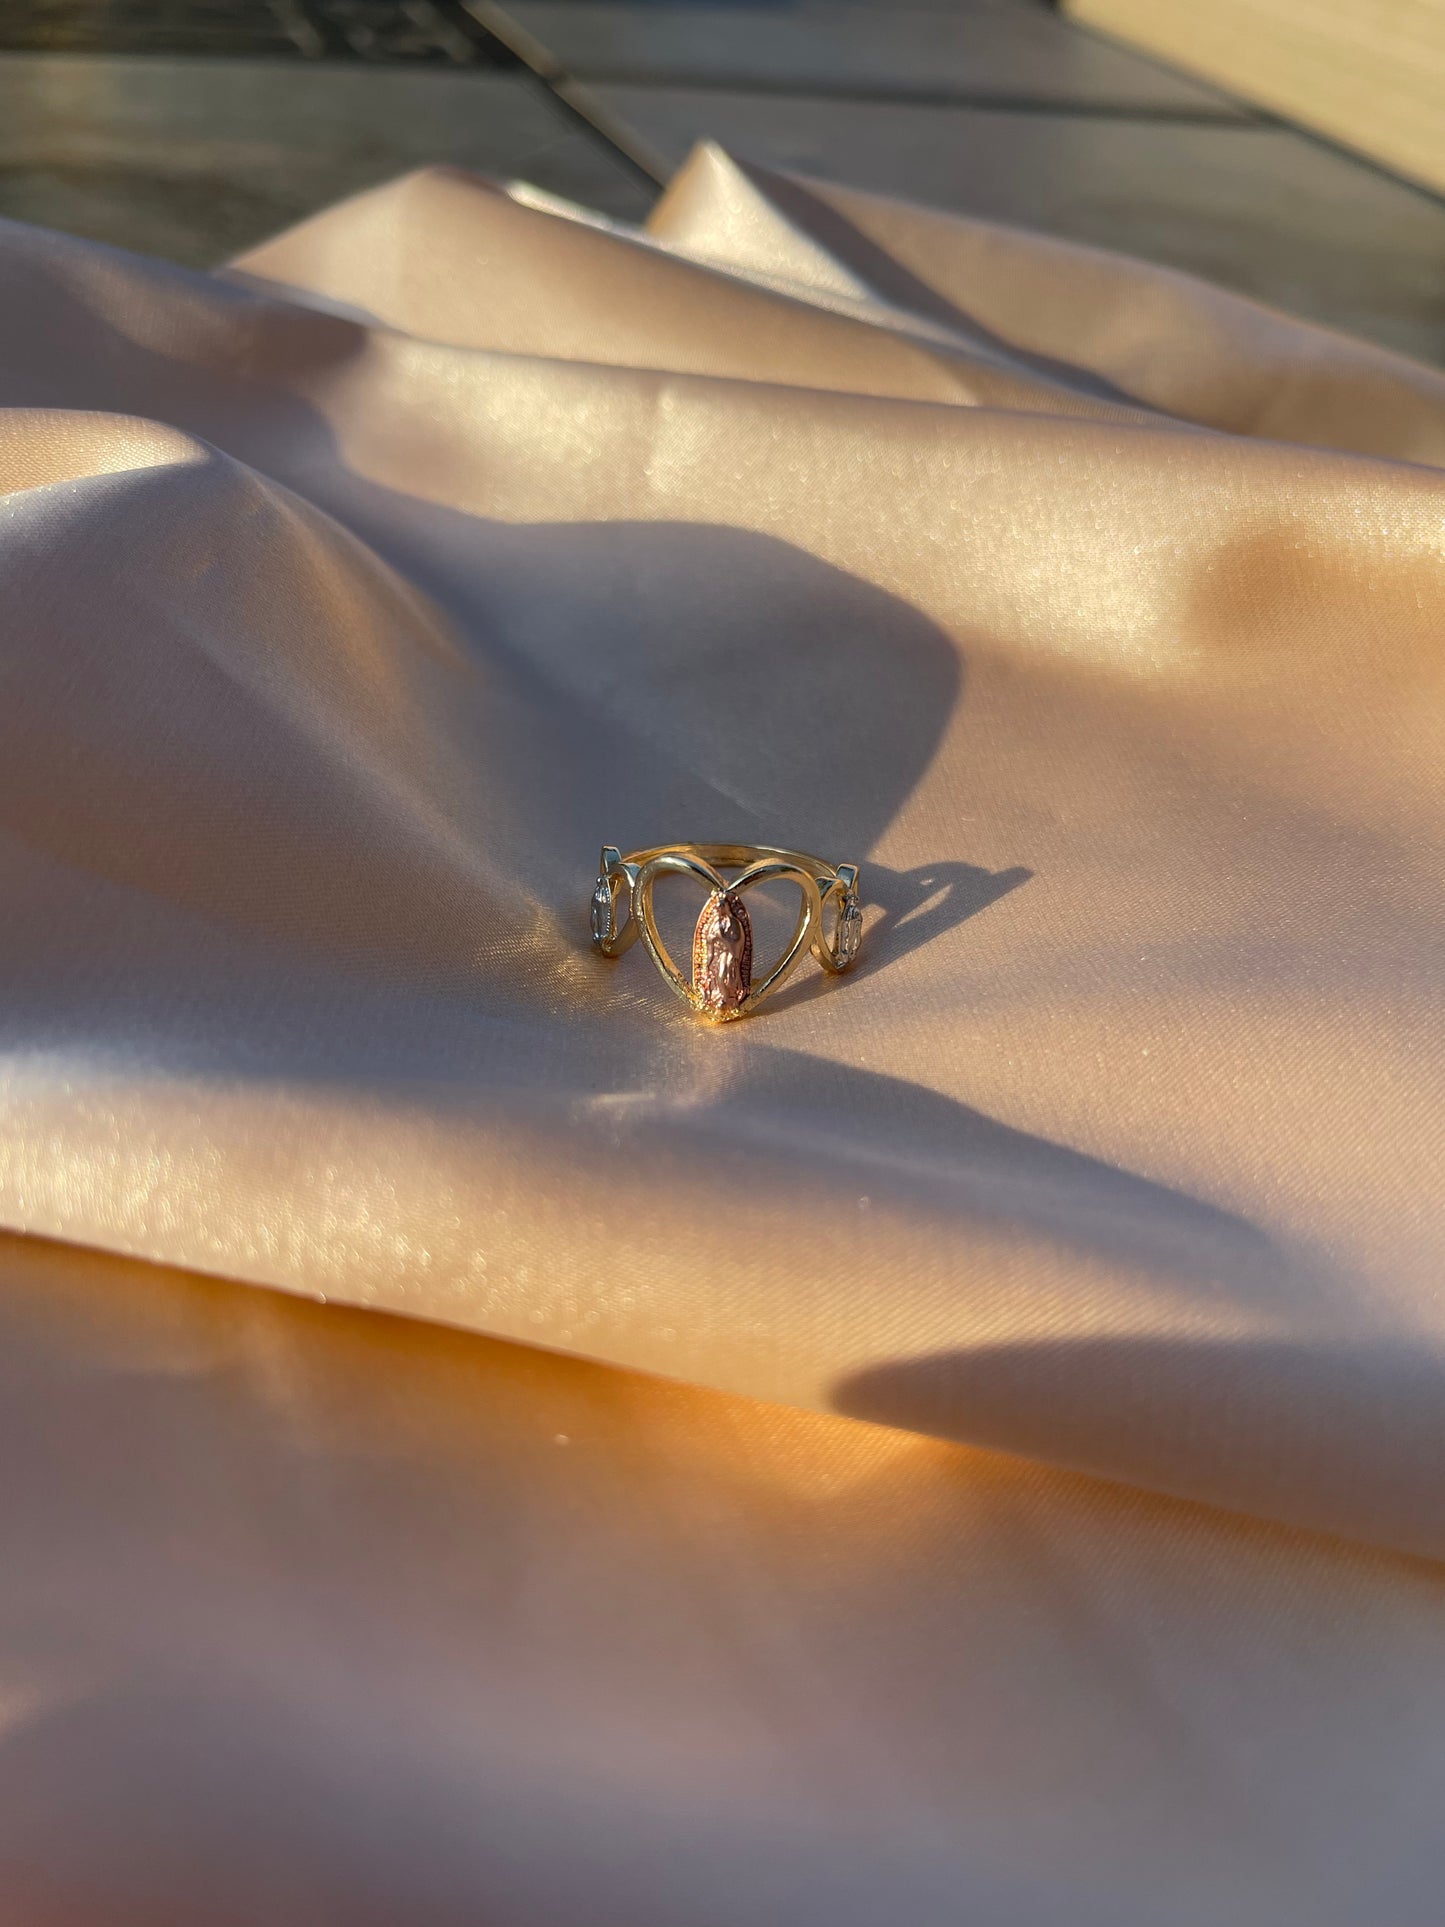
722,985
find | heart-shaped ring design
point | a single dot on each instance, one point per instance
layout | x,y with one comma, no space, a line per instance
722,985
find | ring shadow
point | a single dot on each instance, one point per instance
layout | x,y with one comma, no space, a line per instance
918,906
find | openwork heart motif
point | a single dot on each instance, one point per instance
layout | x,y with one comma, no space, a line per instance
722,984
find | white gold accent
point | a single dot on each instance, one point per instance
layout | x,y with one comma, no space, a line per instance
602,913
850,929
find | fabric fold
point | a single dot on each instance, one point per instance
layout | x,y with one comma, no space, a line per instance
354,596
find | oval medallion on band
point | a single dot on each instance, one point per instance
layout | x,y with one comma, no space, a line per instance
722,954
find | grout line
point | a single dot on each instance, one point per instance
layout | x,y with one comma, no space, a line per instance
497,22
488,48
911,97
642,158
638,158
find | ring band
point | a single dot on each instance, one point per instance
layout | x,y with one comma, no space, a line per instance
722,985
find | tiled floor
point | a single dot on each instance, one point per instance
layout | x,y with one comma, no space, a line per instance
430,30
1247,204
1021,52
1004,109
196,159
190,128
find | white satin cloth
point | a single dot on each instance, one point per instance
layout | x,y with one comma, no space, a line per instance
964,1445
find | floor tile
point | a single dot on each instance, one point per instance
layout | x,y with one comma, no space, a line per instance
156,26
1256,207
196,159
428,30
1022,52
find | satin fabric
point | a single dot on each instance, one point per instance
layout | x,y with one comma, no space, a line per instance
354,596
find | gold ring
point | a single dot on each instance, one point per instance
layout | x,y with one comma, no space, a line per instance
722,985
